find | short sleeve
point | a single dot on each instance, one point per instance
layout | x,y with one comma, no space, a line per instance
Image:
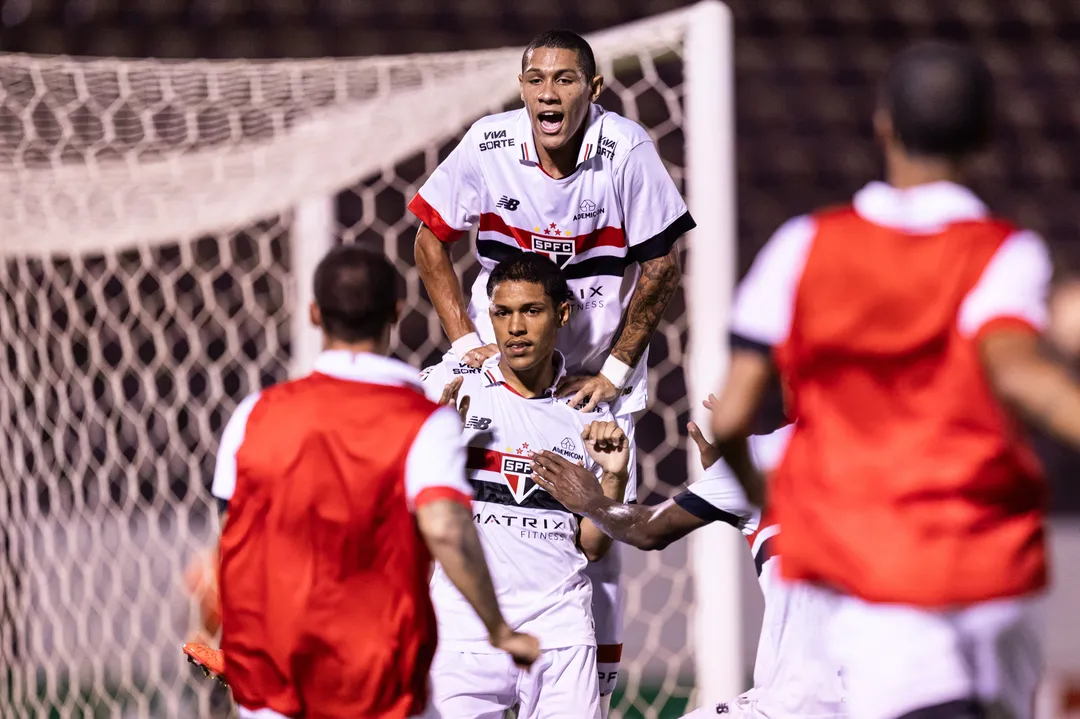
231,438
435,467
764,302
433,379
717,497
1013,288
449,202
654,213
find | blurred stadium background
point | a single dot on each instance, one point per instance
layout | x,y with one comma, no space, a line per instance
101,341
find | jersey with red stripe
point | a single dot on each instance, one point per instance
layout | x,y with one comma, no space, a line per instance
792,678
529,538
906,481
619,208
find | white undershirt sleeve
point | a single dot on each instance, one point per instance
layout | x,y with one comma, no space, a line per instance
435,467
1015,285
231,438
765,301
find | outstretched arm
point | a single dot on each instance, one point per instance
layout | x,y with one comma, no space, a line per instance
577,489
1024,378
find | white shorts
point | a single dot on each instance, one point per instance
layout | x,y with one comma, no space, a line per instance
898,659
562,684
739,708
243,713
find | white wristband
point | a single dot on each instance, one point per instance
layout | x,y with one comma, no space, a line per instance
616,372
465,344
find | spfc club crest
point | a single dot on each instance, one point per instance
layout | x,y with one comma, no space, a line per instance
558,250
517,471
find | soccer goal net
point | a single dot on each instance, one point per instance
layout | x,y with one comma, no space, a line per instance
159,225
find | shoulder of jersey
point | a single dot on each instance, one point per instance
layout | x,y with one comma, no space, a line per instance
499,122
623,132
600,413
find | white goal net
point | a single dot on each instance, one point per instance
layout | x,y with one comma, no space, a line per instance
152,271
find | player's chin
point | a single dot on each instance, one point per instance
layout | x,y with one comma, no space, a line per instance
553,143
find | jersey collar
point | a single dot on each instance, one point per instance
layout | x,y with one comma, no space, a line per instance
919,209
494,374
366,367
523,135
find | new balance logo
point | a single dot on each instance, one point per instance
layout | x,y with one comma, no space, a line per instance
479,423
509,203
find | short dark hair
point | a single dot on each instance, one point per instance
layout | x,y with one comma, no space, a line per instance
534,268
357,293
564,40
940,98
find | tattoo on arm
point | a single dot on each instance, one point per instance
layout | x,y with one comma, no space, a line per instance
657,283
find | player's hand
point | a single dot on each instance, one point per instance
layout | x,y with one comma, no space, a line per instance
608,445
475,358
574,486
709,452
524,649
449,397
587,390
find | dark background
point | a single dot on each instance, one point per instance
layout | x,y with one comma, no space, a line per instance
805,73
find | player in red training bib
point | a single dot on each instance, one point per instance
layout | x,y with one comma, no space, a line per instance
791,678
586,188
341,487
905,326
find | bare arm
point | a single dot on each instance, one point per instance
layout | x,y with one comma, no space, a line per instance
1026,380
450,535
659,279
594,542
643,527
732,415
442,283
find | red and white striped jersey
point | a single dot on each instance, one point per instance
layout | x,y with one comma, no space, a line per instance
792,678
618,209
529,538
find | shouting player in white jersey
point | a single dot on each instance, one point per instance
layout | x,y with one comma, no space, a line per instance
537,549
790,677
586,188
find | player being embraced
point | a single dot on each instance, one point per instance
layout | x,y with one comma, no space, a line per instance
341,486
586,188
536,548
790,678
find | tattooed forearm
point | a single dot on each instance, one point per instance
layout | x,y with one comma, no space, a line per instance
657,283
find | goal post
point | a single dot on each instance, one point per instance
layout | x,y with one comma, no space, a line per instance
716,551
162,223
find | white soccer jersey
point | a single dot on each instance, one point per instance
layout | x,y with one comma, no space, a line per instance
792,677
619,208
529,539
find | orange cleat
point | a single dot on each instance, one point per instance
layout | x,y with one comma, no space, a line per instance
210,660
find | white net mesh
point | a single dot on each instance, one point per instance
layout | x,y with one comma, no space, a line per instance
145,256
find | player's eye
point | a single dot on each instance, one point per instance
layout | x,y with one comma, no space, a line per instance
501,313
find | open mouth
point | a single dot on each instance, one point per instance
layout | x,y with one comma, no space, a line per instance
551,121
517,347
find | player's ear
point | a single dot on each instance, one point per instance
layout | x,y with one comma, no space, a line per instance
884,131
563,313
597,85
521,86
315,315
399,309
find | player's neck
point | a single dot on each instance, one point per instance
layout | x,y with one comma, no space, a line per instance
374,346
903,171
531,382
562,162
